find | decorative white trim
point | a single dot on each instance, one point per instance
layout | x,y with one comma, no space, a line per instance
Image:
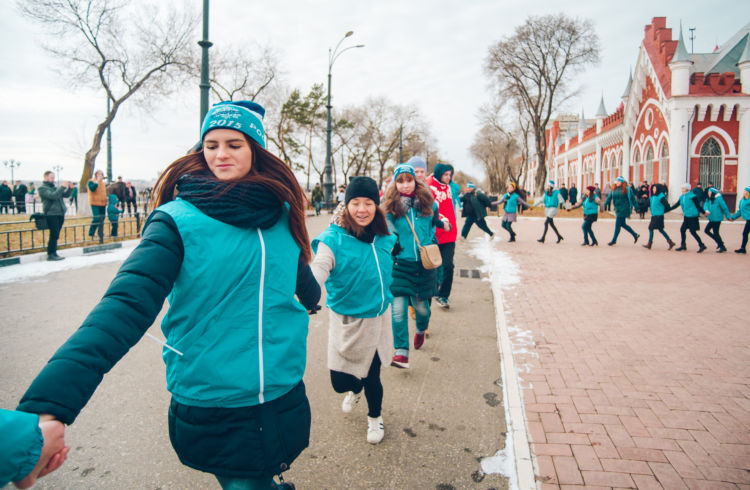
729,142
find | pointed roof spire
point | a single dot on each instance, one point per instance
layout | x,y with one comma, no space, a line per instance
582,121
745,56
681,54
601,112
630,82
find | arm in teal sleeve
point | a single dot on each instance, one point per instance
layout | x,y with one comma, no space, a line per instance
20,445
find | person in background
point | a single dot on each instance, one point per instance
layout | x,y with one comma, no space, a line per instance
551,200
597,190
317,198
30,448
743,211
439,184
98,201
564,194
19,193
623,198
691,209
512,201
227,244
643,201
113,212
717,209
573,194
131,198
353,258
700,193
6,198
605,194
474,209
53,207
591,205
74,198
659,205
419,166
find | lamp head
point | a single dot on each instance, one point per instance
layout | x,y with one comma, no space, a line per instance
349,33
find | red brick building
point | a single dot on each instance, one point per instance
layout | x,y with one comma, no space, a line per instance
683,118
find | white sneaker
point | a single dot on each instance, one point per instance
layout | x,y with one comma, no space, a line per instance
375,430
350,400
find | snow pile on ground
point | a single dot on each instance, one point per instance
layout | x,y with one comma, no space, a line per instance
34,270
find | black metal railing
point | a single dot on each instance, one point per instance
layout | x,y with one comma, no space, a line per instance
31,239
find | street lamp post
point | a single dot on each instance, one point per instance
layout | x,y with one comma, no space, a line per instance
57,169
12,164
328,174
204,85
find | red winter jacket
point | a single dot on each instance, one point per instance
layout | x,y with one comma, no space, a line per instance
444,198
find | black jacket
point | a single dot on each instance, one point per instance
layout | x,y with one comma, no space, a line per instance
52,198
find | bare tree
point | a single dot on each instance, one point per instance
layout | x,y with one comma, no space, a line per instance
240,73
97,46
536,64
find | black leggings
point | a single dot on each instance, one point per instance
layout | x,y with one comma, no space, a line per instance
343,382
550,222
745,232
712,230
687,227
508,228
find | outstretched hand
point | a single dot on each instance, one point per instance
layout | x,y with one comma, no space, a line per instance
54,452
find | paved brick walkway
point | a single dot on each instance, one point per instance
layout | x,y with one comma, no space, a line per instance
638,370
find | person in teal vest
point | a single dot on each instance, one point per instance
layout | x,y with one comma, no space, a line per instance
623,198
353,258
690,202
30,448
230,252
512,200
659,206
743,211
113,212
717,210
552,200
591,205
409,205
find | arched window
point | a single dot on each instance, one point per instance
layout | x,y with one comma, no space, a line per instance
664,162
619,163
649,160
711,164
637,156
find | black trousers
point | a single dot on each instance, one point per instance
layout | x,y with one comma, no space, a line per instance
690,224
447,250
712,230
481,223
343,382
745,232
547,223
55,225
134,204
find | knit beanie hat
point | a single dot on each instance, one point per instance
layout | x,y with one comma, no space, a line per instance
471,185
243,115
621,179
713,189
403,168
439,170
362,186
590,188
747,189
551,182
417,162
686,186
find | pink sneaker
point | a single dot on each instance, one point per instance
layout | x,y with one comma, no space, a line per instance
400,362
418,340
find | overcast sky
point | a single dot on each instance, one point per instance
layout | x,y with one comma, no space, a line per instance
429,54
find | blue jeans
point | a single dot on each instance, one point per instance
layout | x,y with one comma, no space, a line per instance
400,320
264,483
588,231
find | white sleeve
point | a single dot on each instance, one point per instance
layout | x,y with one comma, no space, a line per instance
323,263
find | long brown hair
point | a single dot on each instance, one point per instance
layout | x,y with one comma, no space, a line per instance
266,170
378,225
421,192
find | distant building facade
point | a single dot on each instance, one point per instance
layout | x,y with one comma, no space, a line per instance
683,118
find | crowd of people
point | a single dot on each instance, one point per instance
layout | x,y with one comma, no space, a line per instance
227,245
14,200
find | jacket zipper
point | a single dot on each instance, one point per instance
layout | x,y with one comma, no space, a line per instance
416,255
260,313
380,275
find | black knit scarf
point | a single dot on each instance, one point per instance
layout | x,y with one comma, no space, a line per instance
244,204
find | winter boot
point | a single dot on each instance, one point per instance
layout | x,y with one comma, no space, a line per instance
648,245
671,244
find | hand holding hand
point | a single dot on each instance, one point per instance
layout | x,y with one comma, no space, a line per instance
446,224
54,451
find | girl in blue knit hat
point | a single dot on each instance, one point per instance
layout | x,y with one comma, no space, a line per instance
743,210
717,210
591,205
227,245
411,210
659,206
551,200
353,258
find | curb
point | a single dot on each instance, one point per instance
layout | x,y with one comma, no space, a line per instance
68,252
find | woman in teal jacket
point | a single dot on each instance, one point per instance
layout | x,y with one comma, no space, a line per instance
591,204
659,206
512,200
353,259
691,206
551,201
717,209
743,210
409,204
230,252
